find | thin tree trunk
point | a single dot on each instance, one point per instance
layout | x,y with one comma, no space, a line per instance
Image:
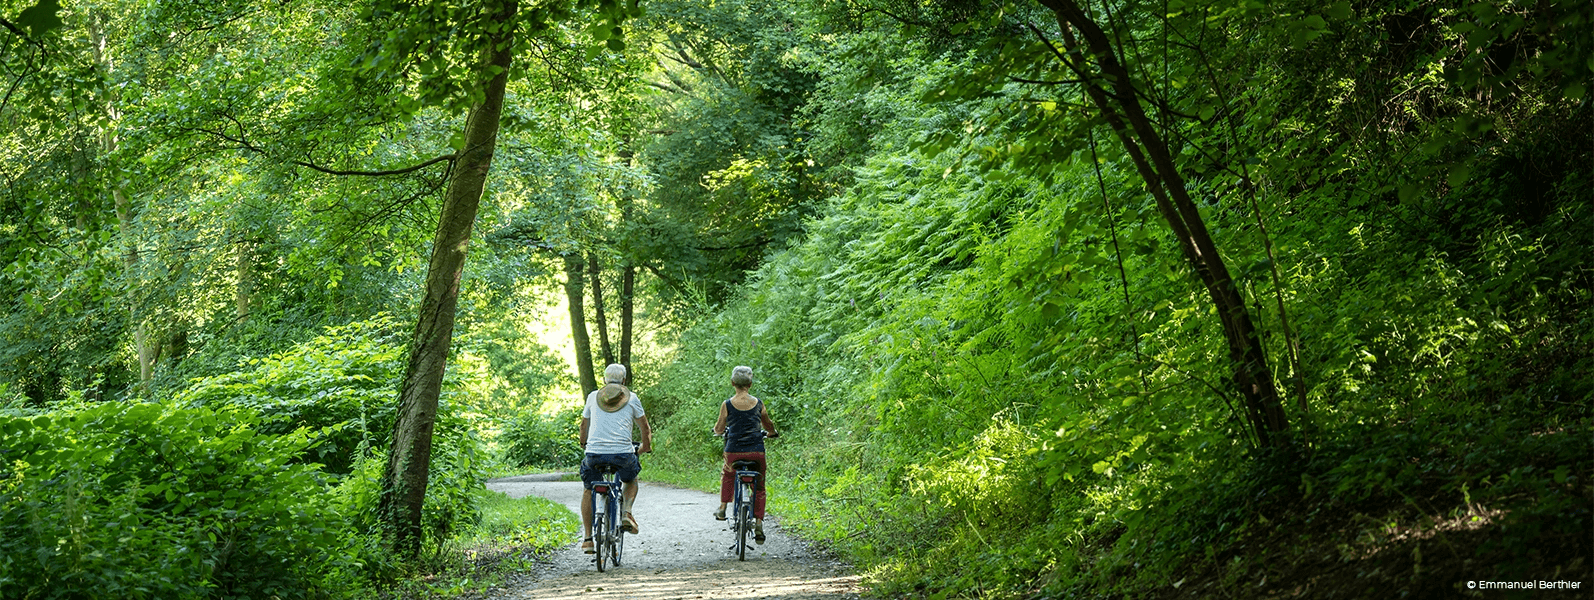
595,272
244,292
578,323
130,258
1140,139
627,287
409,460
628,272
124,220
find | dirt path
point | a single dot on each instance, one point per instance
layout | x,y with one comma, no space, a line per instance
681,553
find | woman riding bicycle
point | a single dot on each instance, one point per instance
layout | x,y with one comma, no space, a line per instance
743,420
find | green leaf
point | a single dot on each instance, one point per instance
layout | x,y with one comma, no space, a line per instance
1339,11
616,45
1573,92
1304,36
41,17
1459,174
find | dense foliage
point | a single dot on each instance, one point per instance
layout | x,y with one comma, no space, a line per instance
148,501
1001,379
1021,280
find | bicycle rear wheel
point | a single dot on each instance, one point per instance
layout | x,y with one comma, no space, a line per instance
744,526
617,534
600,530
619,545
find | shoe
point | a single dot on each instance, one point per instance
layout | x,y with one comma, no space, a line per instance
586,546
758,530
719,515
628,524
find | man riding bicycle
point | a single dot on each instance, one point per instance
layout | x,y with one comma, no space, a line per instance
606,439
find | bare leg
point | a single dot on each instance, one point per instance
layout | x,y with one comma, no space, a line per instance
586,514
630,495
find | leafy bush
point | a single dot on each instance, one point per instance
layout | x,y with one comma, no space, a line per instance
455,474
533,439
342,382
341,385
150,501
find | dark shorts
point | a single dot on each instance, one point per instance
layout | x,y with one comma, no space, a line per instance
627,462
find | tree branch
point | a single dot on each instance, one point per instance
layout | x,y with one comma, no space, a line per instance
243,144
18,30
1039,82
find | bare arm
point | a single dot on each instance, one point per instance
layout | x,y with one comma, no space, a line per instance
769,424
585,423
719,426
647,435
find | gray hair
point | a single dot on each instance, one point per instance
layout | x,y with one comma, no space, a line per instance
742,377
614,373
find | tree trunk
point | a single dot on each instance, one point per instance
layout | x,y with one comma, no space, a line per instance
245,290
124,219
596,273
628,272
627,287
409,460
1264,409
124,226
578,323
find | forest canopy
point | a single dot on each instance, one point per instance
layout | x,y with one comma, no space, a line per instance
1064,297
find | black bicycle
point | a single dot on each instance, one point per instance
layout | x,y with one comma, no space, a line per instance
608,534
742,507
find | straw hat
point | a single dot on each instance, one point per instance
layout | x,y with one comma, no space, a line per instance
613,397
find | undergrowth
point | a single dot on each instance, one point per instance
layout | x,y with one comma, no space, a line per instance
511,537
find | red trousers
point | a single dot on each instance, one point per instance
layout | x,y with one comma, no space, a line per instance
728,479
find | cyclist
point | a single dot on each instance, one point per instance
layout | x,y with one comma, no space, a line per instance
606,439
742,420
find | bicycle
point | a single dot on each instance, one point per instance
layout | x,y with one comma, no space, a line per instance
608,533
742,505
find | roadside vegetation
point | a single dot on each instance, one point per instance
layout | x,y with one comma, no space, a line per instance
1061,298
997,376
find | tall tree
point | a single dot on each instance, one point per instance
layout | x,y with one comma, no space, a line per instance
409,460
574,281
601,320
1112,90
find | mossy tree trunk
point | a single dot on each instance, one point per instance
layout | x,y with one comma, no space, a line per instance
404,482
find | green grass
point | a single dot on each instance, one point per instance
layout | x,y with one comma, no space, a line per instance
513,534
531,523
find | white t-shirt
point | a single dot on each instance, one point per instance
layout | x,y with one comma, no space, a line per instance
610,432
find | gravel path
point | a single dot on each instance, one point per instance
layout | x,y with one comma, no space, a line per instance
681,553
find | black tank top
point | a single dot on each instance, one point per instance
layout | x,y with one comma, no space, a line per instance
743,428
